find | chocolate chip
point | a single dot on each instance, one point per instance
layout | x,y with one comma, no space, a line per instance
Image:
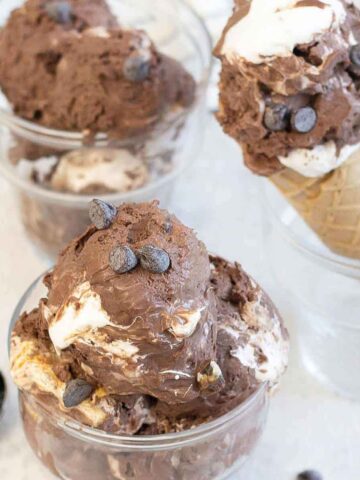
122,259
210,377
137,67
2,391
355,55
276,117
310,475
76,391
60,12
102,214
153,259
304,120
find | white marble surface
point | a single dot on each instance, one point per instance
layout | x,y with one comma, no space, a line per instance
308,426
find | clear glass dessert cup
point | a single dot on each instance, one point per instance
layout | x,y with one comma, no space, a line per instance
325,293
73,451
52,218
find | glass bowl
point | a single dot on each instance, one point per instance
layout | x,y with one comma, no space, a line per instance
325,289
52,218
214,450
215,15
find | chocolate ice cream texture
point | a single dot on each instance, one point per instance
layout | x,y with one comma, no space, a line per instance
142,332
290,83
68,65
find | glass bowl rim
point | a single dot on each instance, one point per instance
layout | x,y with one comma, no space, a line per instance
14,122
81,201
143,442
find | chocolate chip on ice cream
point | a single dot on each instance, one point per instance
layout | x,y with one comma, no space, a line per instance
76,391
122,259
154,259
276,117
304,120
102,214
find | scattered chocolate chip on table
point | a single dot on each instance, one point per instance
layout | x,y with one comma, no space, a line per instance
310,475
2,391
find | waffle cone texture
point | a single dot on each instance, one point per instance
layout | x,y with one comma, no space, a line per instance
330,205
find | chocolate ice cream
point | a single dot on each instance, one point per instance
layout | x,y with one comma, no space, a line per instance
120,113
68,65
142,332
290,83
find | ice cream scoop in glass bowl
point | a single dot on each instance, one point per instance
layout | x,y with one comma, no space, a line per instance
141,356
115,111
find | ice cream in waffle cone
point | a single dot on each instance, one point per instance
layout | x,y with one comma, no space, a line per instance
290,96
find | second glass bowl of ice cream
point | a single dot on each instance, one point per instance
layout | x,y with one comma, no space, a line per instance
55,173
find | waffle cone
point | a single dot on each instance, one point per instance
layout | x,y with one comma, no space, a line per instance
330,205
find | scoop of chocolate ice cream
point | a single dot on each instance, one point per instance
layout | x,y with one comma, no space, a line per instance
251,346
290,83
153,330
141,332
68,65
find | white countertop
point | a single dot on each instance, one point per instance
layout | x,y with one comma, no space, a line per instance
308,426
